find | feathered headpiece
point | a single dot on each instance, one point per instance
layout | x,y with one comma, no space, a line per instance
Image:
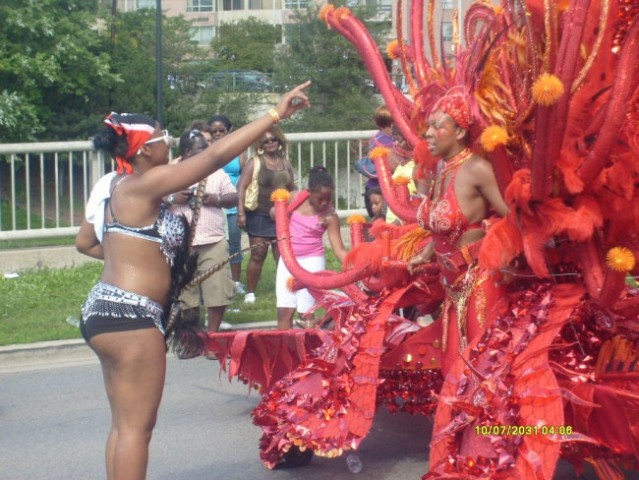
548,89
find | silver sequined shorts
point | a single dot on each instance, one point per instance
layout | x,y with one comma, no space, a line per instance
111,309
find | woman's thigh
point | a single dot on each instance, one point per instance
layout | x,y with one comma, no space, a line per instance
259,247
134,366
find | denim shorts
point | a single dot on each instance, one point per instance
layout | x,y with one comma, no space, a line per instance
258,225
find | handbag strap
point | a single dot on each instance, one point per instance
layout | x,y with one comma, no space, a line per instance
257,161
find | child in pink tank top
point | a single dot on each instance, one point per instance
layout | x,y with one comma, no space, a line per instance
309,220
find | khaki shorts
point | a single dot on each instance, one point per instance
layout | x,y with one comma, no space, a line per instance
217,290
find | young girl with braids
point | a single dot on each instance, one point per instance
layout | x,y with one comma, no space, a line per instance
312,214
123,316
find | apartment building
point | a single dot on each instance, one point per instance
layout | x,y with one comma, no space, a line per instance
207,15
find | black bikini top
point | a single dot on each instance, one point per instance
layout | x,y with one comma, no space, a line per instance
168,229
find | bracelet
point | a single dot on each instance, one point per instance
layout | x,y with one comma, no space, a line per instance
274,115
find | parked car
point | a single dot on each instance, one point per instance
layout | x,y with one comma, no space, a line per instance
239,81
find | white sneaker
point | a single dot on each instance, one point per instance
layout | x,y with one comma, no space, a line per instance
249,298
239,288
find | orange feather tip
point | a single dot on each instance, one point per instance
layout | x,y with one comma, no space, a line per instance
289,283
342,12
280,195
620,259
325,11
547,89
392,49
493,137
401,180
355,219
379,152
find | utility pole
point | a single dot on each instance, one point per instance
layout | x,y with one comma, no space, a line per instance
158,62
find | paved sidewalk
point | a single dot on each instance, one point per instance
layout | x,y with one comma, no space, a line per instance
31,356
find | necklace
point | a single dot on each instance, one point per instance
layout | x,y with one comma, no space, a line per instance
275,162
447,167
456,161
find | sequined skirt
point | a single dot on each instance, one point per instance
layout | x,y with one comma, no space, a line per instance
105,300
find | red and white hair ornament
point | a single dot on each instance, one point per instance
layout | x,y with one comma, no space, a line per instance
137,128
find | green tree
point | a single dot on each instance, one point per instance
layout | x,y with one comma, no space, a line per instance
53,66
133,58
342,93
246,44
185,99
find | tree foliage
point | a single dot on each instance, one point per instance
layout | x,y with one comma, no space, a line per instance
342,93
52,63
64,64
246,44
133,57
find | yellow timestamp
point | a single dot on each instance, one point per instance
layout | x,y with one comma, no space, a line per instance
522,430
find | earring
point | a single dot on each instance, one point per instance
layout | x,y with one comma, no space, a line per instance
279,149
260,151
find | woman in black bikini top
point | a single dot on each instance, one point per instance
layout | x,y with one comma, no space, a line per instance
122,316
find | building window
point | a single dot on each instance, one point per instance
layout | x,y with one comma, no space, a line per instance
193,6
295,4
146,4
447,31
232,5
202,35
385,6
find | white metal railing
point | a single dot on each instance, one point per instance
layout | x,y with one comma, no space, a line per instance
44,186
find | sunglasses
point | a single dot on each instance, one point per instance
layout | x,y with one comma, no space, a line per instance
269,140
165,138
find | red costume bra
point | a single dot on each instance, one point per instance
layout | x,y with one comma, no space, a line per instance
447,222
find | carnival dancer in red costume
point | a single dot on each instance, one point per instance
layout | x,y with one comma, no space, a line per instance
463,194
552,369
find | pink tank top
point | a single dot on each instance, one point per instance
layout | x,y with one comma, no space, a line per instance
306,235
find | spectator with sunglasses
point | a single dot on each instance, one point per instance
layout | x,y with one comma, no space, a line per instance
209,241
274,171
219,126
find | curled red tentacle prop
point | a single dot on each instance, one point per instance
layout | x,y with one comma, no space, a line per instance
308,279
399,204
362,40
624,87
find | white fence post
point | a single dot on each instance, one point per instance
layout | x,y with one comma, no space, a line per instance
336,150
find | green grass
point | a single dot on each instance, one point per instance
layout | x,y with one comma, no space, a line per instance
35,306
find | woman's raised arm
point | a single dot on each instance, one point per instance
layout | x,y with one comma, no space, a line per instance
167,179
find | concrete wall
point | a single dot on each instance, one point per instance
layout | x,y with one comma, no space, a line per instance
42,257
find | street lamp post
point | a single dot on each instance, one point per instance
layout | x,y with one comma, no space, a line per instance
158,62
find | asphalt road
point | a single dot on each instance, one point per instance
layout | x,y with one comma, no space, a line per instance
54,420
